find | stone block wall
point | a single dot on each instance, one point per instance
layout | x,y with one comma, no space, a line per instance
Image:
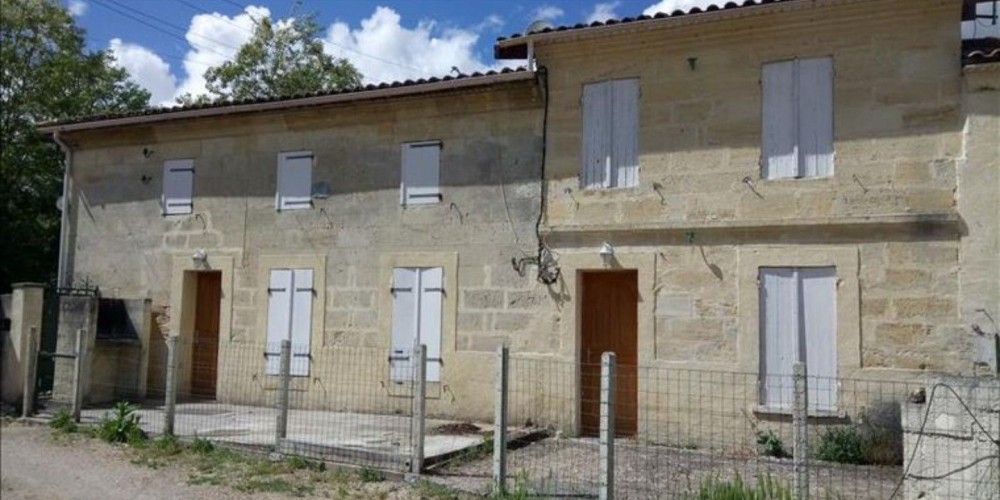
949,441
898,116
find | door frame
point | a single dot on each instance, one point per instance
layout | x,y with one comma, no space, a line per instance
573,264
182,300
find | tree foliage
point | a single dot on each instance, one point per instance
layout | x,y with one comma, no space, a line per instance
46,73
282,58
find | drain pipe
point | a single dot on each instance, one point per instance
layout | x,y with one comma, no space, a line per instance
64,218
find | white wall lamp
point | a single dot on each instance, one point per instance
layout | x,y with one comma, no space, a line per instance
200,257
607,252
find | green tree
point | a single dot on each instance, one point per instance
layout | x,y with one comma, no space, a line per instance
46,74
280,59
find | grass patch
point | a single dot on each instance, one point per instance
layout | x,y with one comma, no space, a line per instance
63,422
766,488
519,492
770,445
370,475
121,425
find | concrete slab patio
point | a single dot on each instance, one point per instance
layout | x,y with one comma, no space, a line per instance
365,437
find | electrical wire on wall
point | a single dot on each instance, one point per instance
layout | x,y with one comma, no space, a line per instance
545,260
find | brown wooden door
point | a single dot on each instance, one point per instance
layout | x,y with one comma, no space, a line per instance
205,351
609,322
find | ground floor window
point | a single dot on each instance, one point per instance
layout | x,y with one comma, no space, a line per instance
416,319
798,323
289,317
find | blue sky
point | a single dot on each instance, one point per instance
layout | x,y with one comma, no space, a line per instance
167,44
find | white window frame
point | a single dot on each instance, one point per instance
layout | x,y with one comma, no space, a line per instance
817,351
172,203
419,195
295,317
803,99
285,201
617,166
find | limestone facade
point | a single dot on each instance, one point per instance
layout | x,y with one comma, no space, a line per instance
909,218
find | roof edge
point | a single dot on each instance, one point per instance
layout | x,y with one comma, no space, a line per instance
293,103
514,46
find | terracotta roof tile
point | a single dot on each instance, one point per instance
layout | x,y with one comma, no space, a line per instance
717,6
290,98
980,51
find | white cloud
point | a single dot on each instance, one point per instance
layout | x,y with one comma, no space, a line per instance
603,11
215,39
493,22
381,48
77,8
384,50
547,12
668,6
146,69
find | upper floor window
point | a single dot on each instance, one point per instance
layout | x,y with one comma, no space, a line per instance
294,181
797,119
611,134
178,187
421,166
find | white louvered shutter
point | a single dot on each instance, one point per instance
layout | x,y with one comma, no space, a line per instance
779,128
178,187
815,117
431,293
279,309
421,173
625,133
404,322
819,310
301,335
294,181
596,168
780,327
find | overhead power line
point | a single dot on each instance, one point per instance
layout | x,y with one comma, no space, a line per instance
335,44
153,25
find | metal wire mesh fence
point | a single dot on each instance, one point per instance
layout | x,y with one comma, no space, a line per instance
691,433
348,405
678,433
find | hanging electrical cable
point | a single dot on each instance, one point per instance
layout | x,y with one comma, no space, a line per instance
545,260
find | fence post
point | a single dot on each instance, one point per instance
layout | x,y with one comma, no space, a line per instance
30,356
419,409
800,448
78,375
284,385
170,389
500,423
607,427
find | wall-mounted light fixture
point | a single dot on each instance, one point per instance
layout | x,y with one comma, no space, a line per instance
200,256
607,252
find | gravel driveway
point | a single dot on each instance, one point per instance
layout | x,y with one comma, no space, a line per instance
36,465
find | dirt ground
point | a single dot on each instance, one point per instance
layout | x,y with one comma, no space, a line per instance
36,463
569,467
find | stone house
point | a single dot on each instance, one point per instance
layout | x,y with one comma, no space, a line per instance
731,190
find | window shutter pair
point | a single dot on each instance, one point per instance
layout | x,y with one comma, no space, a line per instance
611,134
798,118
416,319
294,181
289,317
178,187
799,323
421,168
